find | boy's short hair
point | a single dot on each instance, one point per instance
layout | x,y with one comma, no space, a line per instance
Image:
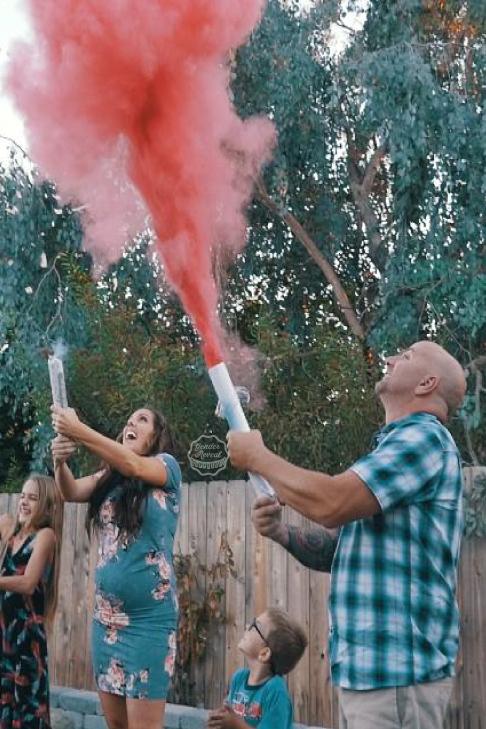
286,639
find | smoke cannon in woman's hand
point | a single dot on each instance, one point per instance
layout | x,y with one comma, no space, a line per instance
58,383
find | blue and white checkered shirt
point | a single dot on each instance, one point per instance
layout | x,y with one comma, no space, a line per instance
393,610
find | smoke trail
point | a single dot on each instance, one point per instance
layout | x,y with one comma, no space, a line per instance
121,94
60,349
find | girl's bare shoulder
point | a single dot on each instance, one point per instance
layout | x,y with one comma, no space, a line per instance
46,535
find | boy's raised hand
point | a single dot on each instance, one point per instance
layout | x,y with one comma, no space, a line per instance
216,717
225,718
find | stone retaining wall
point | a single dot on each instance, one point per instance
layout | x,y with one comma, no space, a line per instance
75,709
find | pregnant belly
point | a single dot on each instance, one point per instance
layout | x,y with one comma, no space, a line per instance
133,589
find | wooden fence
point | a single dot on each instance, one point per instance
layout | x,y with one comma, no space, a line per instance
266,575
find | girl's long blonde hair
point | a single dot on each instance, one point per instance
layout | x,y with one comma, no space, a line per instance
49,513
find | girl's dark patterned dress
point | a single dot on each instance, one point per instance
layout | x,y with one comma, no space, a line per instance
24,683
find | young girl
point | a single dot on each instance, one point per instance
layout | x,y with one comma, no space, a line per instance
133,508
29,570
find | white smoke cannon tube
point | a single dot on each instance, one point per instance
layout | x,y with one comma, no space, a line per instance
58,384
230,408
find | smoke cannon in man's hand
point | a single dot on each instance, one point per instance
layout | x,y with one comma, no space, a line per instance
229,407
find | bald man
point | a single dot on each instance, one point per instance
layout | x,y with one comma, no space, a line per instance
393,524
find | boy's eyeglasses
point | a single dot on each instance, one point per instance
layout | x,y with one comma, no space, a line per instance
254,626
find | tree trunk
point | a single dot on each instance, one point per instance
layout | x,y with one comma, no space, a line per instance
330,274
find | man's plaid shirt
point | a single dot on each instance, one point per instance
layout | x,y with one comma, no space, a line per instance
393,609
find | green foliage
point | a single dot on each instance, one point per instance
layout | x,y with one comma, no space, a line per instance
277,74
320,410
12,448
39,238
381,158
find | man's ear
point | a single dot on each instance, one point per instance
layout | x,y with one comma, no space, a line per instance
427,385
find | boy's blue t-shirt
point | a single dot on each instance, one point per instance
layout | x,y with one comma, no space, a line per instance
266,706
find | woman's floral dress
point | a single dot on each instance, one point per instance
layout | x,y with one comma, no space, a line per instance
135,612
24,682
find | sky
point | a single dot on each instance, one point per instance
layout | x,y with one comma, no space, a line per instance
14,25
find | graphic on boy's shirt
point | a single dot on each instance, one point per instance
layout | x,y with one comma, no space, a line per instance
244,707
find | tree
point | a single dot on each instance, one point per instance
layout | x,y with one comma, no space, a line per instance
379,177
39,239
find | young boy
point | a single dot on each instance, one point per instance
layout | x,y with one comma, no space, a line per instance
273,644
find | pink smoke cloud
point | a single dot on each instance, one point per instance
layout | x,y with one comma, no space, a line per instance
127,109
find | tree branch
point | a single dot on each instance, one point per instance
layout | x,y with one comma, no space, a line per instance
475,364
304,238
474,367
16,144
477,394
346,27
58,314
373,166
469,443
361,184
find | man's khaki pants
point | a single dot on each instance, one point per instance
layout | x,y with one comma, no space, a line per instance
422,706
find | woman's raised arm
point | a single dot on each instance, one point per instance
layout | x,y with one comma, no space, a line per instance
72,489
126,461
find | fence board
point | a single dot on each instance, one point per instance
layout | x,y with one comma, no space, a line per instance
89,681
473,621
215,657
79,634
257,562
4,504
298,607
181,541
319,674
235,588
250,540
277,573
65,618
196,516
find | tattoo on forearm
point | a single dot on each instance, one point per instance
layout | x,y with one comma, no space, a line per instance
314,548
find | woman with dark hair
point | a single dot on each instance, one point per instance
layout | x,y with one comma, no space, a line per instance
30,545
133,508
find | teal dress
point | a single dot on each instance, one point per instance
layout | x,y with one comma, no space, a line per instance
135,613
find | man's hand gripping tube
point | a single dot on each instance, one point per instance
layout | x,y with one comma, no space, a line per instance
231,409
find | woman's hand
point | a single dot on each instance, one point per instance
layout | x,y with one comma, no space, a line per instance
62,449
65,421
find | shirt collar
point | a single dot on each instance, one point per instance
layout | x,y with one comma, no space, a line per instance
419,417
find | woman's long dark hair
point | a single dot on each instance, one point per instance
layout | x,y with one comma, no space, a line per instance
130,505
